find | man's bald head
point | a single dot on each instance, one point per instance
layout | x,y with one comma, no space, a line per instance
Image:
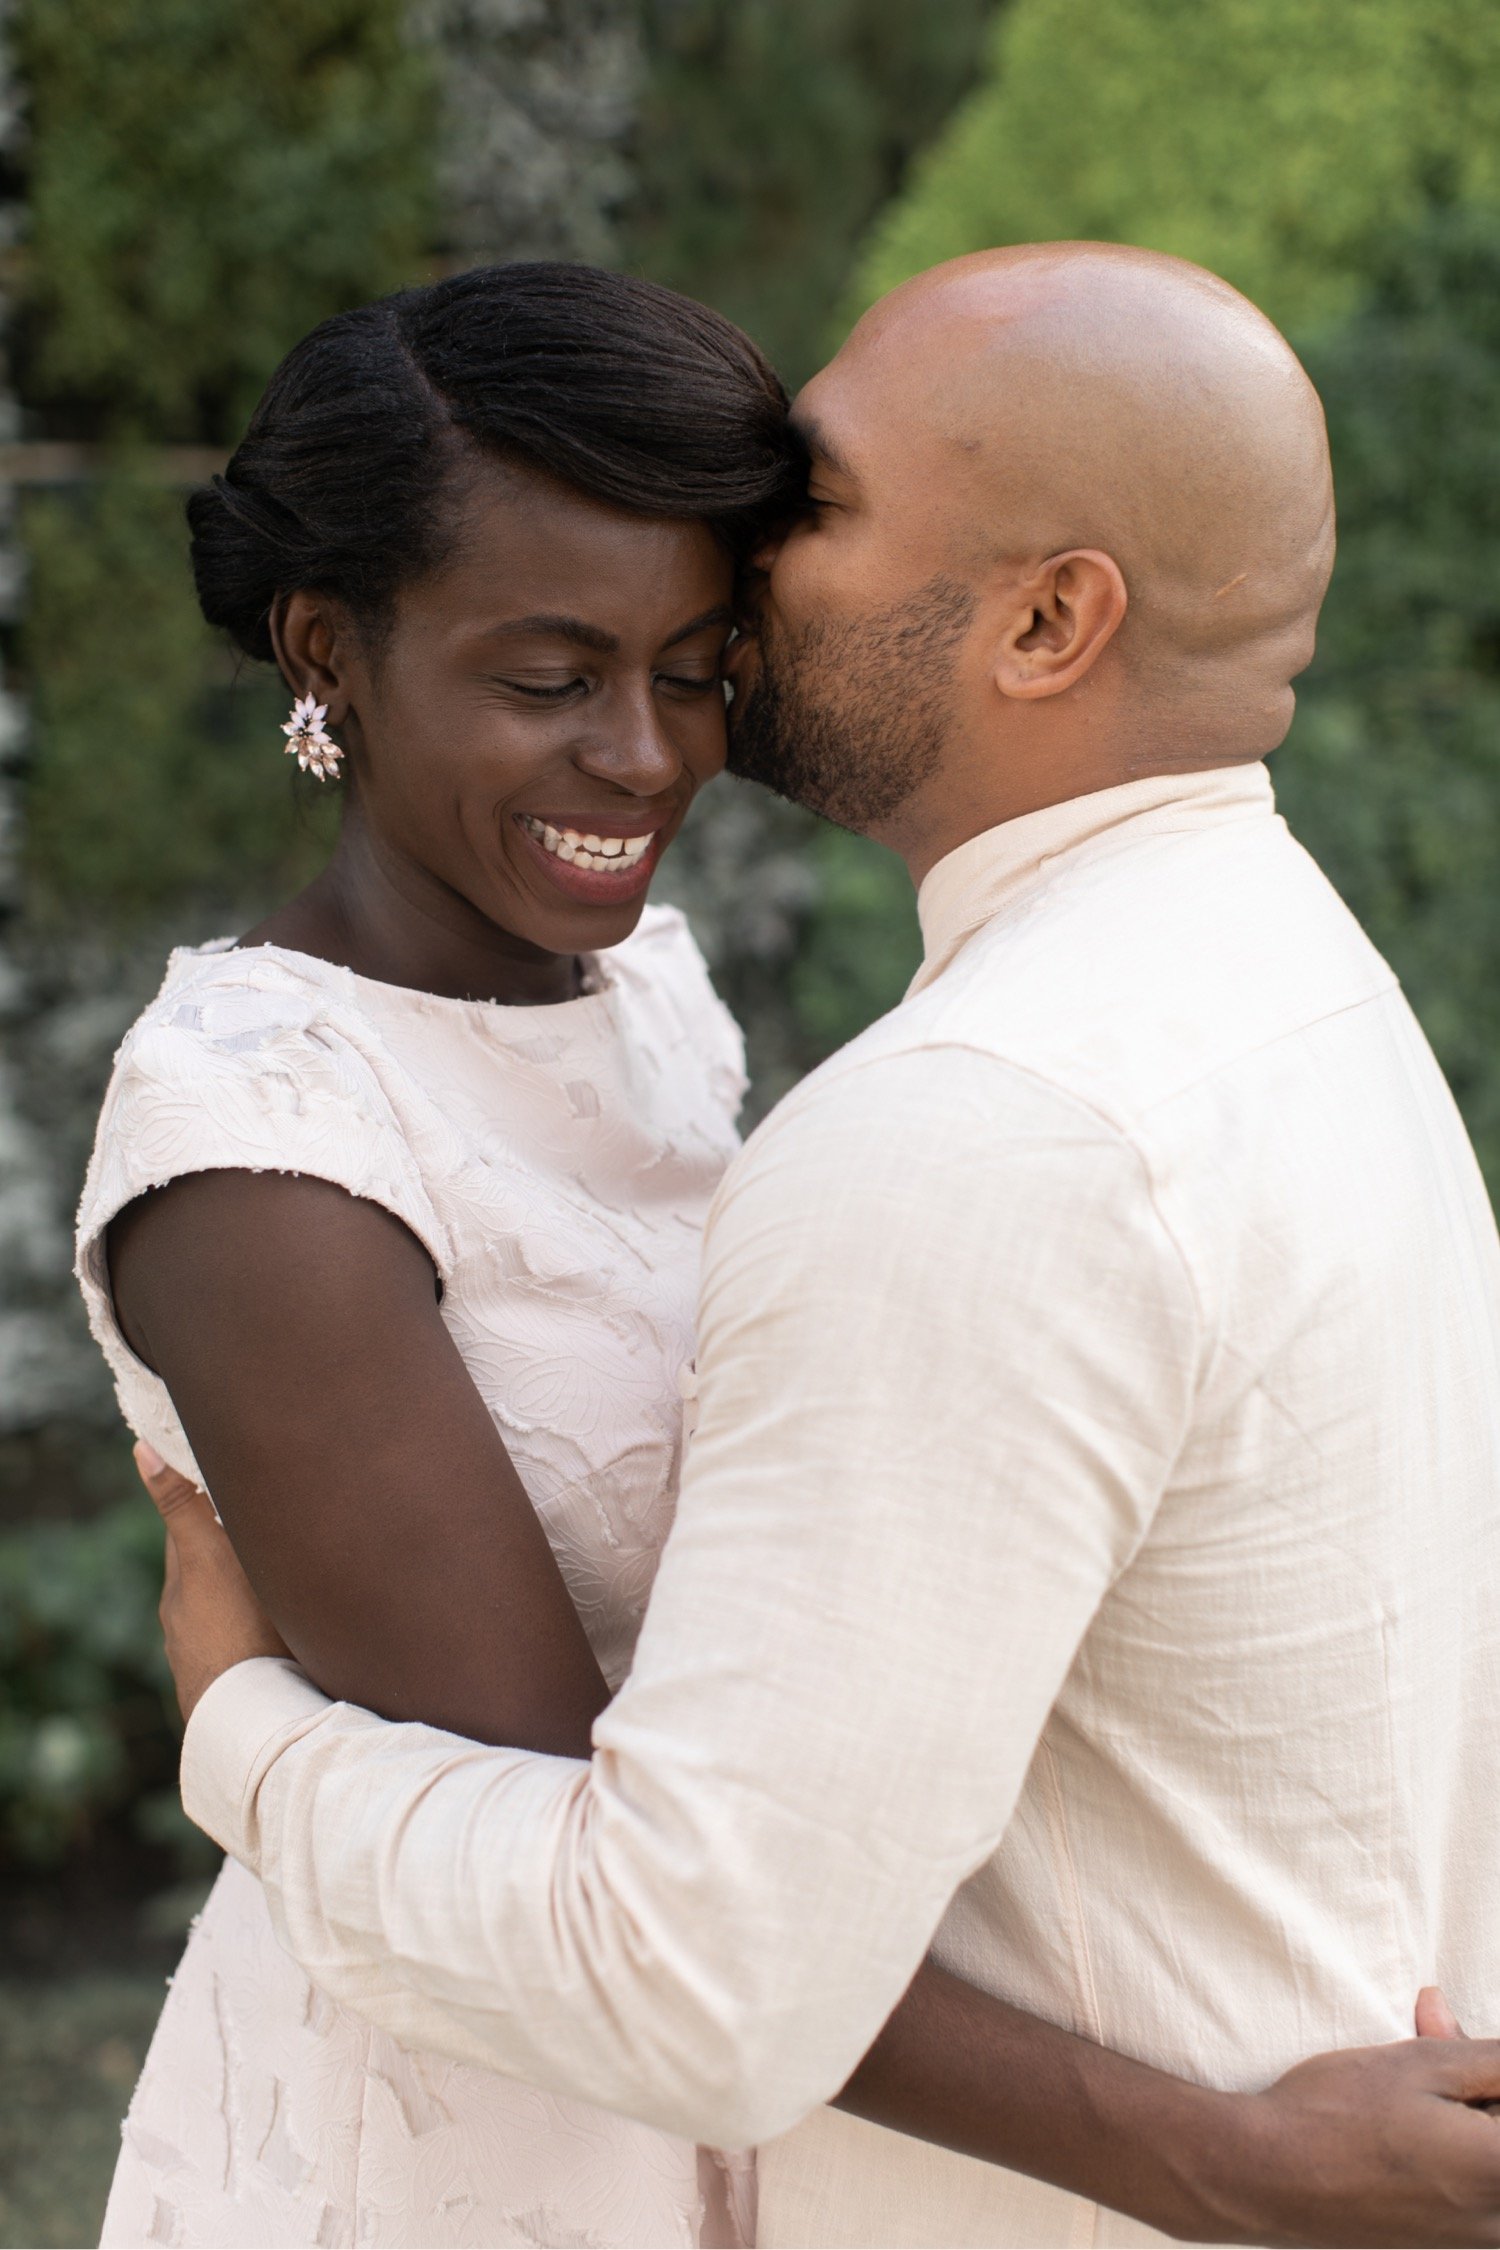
1090,395
1058,400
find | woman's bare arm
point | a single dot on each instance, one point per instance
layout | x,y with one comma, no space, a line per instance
357,1470
383,1527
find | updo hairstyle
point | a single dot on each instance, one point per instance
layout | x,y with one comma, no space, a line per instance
623,390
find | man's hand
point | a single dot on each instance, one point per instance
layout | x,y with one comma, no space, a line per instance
210,1617
1370,2146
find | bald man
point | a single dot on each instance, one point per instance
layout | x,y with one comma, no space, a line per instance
1088,1555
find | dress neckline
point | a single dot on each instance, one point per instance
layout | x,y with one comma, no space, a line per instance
601,983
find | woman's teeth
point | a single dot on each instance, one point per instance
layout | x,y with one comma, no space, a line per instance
603,855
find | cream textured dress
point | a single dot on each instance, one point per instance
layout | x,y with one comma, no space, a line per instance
557,1162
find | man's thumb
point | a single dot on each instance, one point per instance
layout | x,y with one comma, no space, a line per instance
170,1492
1435,2019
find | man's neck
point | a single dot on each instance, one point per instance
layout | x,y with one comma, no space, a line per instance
948,815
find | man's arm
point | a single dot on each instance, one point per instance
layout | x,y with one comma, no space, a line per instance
946,1356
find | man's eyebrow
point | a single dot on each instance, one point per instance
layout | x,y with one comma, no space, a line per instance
562,629
821,447
718,616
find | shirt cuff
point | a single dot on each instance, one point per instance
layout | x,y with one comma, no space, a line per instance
239,1725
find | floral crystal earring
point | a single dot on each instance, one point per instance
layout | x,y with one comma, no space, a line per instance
308,741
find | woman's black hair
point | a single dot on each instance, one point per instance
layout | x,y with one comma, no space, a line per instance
623,390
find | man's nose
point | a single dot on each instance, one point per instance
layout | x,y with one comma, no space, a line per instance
764,556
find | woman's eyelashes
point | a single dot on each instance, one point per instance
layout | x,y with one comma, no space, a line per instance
535,694
693,684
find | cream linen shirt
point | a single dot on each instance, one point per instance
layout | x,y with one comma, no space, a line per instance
1087,1562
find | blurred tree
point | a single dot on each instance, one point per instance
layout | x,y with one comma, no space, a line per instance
539,105
205,181
1276,141
155,785
770,135
1391,774
85,1698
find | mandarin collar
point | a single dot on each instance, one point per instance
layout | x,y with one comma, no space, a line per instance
972,884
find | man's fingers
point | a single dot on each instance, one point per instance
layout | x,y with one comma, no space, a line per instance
1435,2019
176,1499
1468,2070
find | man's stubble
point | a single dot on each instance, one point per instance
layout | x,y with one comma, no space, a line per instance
850,719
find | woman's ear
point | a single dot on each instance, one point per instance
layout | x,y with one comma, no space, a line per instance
1066,614
311,640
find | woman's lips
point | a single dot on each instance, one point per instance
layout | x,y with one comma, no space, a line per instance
624,874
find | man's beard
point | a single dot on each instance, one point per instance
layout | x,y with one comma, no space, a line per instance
851,719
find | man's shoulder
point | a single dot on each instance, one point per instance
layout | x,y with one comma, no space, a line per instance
1129,980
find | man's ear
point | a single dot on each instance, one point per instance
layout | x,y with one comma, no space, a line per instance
311,638
1065,615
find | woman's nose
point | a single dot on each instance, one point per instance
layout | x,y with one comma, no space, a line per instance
636,752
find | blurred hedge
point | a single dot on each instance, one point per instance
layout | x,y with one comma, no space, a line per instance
204,182
1279,142
1391,774
86,1711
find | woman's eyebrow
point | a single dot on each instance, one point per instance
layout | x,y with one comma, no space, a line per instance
717,616
562,629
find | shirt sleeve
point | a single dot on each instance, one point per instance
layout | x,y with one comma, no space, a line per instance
947,1350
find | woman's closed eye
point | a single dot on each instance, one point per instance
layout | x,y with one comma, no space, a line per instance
693,683
539,694
681,683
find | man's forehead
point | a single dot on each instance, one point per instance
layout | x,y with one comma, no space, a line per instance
858,425
852,419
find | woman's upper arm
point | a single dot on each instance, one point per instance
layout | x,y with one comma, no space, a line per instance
354,1464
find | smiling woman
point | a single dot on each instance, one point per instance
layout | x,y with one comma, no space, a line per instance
391,1231
493,526
471,731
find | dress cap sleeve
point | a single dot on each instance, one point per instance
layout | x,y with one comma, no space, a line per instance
242,1063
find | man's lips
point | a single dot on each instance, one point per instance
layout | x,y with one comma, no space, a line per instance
576,864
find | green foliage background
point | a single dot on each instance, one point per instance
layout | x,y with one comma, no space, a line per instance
205,182
771,133
1391,773
1276,141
